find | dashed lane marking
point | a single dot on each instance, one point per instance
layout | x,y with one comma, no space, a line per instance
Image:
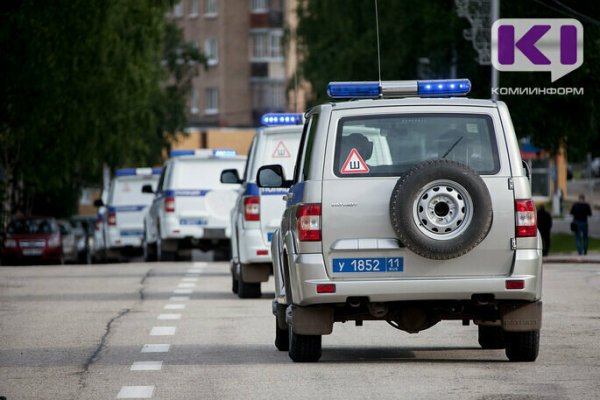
146,366
136,392
189,280
169,316
183,291
156,348
163,331
186,285
174,307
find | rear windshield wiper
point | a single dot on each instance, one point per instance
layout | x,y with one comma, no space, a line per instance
452,147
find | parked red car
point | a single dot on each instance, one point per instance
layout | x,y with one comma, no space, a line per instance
32,240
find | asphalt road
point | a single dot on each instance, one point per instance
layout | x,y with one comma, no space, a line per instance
86,332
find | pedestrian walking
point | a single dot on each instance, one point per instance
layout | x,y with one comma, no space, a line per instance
544,220
580,211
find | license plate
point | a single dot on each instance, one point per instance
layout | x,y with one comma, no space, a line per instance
269,237
32,252
192,221
375,264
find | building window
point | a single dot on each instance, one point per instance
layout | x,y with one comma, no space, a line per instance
212,101
259,6
211,50
178,9
194,101
266,45
194,8
268,96
210,8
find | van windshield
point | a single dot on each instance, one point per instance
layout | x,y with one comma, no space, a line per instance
389,145
277,148
202,173
129,191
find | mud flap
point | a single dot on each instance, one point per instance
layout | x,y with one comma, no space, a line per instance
523,317
310,320
255,273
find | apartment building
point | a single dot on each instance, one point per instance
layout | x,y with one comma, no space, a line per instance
246,75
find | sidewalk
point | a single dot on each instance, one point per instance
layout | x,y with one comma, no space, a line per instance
572,258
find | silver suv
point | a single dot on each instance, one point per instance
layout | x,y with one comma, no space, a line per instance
409,210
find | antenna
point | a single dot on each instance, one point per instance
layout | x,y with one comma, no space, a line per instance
378,50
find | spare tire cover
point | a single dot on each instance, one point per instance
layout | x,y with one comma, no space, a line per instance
441,209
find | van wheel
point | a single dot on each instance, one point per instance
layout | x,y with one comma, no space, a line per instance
304,348
248,290
441,209
522,346
491,337
149,250
282,338
161,254
234,284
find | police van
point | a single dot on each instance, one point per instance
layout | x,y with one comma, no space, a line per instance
408,205
121,220
257,212
191,207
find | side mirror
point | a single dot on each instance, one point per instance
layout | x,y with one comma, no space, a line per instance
230,176
272,176
98,203
147,188
527,169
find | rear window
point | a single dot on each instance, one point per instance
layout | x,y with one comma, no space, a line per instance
202,173
278,148
26,226
129,191
392,144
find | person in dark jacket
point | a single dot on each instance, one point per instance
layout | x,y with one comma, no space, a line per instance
544,220
580,212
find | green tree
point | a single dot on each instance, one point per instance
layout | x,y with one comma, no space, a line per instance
83,83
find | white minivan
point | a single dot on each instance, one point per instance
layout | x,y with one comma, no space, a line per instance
191,207
122,219
257,212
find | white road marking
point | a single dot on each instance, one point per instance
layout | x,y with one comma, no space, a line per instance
156,348
186,285
179,298
146,366
195,271
199,264
163,331
169,316
183,291
136,392
174,307
189,280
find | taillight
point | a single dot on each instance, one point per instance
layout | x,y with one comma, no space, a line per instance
309,222
112,218
526,219
170,204
251,208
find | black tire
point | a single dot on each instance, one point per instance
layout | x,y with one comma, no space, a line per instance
184,255
430,203
162,254
522,346
282,338
149,250
491,337
304,348
248,290
234,284
222,254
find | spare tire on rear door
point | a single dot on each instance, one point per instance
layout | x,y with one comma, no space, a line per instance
441,209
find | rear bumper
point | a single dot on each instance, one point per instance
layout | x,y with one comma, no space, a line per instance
172,229
308,270
252,247
117,241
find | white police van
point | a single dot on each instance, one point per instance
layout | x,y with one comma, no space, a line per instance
121,219
191,207
409,206
257,212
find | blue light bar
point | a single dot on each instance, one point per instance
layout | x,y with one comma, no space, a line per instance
177,153
137,171
354,90
448,87
281,119
224,153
